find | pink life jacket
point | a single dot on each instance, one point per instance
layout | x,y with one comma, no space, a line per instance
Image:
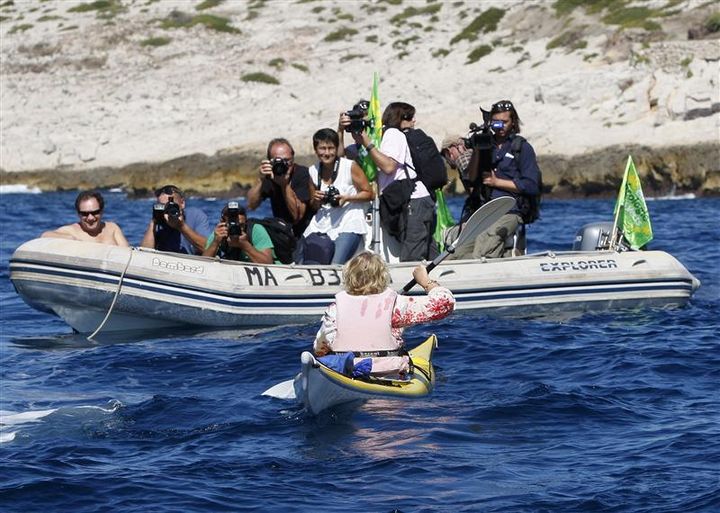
364,322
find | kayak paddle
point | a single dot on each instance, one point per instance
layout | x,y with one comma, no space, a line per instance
283,390
481,220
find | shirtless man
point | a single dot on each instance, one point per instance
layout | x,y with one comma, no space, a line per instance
91,228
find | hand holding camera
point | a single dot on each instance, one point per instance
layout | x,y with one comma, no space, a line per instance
168,214
277,169
354,120
332,197
235,228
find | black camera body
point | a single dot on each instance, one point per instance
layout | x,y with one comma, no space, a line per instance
235,227
358,123
480,140
158,211
170,208
332,197
280,166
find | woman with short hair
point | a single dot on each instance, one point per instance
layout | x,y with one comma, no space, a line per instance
340,193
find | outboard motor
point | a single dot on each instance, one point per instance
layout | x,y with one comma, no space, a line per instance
593,236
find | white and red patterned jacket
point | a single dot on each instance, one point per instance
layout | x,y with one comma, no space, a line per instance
409,311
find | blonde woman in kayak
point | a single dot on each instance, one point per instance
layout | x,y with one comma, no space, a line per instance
368,317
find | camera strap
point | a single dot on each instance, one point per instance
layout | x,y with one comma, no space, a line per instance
332,177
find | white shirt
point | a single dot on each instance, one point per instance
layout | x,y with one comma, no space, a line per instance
394,145
350,218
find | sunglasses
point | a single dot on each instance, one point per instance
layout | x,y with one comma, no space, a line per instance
502,106
85,213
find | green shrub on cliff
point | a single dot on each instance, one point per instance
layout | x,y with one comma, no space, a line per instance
634,17
409,12
340,35
20,28
712,24
485,22
261,77
178,19
570,40
105,8
208,4
155,41
478,53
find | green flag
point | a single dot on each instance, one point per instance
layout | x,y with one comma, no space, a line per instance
444,218
631,213
374,131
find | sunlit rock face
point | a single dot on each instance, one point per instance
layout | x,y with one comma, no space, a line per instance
134,94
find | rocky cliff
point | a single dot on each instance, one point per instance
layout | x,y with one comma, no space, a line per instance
137,93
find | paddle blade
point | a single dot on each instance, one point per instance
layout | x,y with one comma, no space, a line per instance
480,221
284,390
484,218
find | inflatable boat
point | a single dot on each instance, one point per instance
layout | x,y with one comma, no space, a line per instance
145,289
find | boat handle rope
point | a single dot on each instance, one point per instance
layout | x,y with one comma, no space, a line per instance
117,294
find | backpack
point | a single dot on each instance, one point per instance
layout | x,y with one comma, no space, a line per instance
533,202
281,234
429,164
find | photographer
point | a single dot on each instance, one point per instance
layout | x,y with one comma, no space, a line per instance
286,183
230,240
340,196
175,227
510,169
395,163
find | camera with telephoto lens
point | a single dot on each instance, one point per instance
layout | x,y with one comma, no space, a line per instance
235,227
480,139
332,197
172,209
280,166
357,114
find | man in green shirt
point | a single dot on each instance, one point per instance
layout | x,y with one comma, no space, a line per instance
230,239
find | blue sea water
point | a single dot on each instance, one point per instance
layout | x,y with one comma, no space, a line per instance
609,412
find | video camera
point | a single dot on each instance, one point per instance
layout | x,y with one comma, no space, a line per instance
280,166
331,197
480,140
357,114
235,227
170,208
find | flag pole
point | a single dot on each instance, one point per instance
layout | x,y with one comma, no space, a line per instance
614,243
375,242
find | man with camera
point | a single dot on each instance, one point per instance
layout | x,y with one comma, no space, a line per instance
503,163
175,227
231,240
286,183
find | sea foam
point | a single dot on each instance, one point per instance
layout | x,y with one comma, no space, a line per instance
19,189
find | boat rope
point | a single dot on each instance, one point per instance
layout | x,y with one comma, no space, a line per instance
117,293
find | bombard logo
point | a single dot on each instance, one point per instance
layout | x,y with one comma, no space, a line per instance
178,266
578,265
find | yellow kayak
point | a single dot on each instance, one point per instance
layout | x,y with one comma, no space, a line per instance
319,387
